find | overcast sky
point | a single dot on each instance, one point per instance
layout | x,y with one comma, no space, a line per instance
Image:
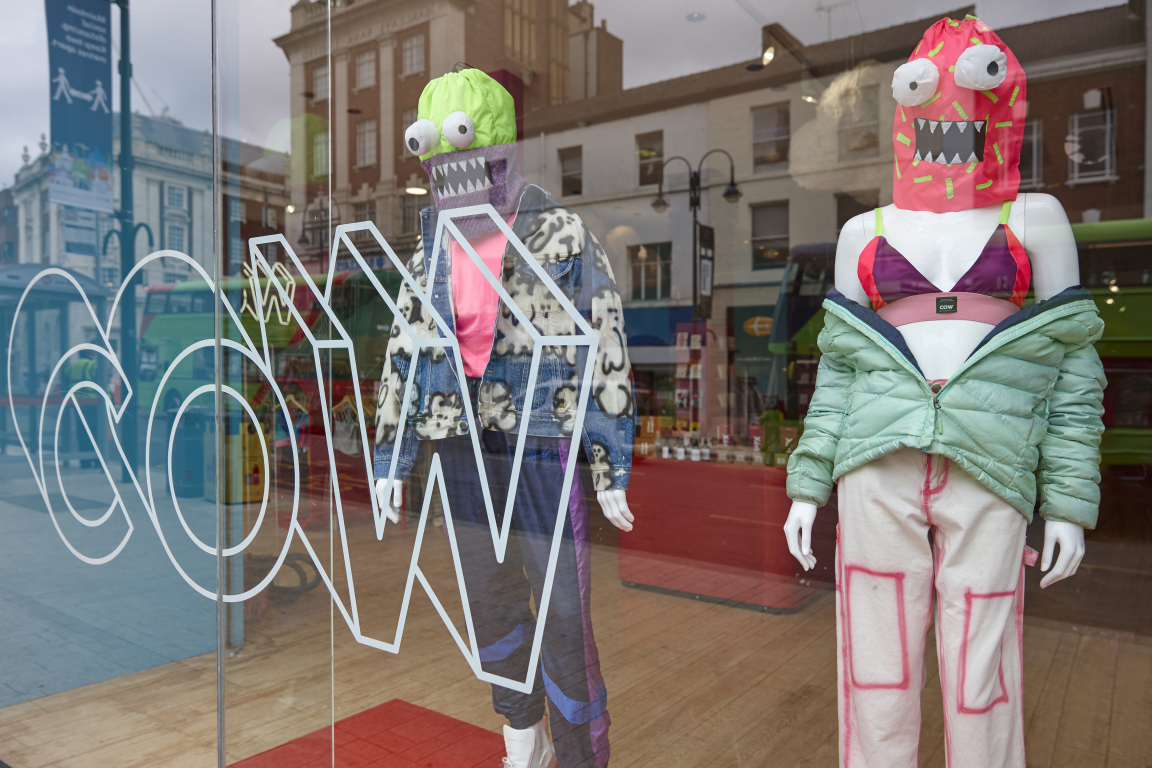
171,51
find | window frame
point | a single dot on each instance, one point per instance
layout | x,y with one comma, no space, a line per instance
361,63
842,128
662,266
778,165
643,163
175,189
408,47
171,228
320,77
366,134
761,238
1108,174
563,155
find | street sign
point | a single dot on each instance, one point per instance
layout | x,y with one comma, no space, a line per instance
80,75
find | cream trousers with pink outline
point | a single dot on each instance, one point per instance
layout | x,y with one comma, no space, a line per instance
919,534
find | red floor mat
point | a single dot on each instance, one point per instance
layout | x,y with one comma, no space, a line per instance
395,734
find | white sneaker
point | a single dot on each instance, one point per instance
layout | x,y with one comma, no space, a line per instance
528,748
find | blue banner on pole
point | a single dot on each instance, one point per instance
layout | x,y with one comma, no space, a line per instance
80,67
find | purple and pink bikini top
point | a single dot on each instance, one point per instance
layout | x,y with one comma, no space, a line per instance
991,290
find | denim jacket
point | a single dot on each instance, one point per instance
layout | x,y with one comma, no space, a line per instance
557,238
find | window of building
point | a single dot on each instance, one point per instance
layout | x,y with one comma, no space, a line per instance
650,150
520,30
1032,155
8,216
410,212
7,252
1091,146
408,117
174,238
175,277
571,170
363,212
175,196
769,235
771,130
236,248
365,70
557,51
110,276
859,123
320,154
366,143
320,82
270,218
236,210
851,204
412,55
651,266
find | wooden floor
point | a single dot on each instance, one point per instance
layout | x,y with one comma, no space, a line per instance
690,683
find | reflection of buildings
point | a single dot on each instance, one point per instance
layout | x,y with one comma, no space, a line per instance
382,54
810,137
173,196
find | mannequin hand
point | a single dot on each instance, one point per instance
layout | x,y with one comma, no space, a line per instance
392,511
1070,537
615,506
798,530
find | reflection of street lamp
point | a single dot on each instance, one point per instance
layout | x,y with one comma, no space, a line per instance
731,195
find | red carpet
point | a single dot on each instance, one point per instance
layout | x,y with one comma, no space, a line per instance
395,734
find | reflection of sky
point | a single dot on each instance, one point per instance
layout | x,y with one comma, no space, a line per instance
171,47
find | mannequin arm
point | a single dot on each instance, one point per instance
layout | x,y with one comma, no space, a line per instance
391,510
615,506
1047,238
798,530
1070,538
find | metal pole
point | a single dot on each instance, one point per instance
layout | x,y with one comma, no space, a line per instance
129,431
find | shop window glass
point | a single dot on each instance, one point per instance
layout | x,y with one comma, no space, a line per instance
852,204
771,131
320,154
769,235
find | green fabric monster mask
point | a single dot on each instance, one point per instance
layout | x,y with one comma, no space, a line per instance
465,135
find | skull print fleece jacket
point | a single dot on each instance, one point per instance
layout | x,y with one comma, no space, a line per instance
571,256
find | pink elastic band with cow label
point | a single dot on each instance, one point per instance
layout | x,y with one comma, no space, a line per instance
947,306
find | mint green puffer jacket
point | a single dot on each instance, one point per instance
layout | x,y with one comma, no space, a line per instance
1022,415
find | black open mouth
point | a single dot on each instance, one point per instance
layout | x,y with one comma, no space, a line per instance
949,141
461,177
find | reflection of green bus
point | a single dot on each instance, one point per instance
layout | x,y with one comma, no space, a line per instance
1116,265
178,315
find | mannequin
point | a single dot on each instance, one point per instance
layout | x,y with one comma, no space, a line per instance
944,409
466,139
943,247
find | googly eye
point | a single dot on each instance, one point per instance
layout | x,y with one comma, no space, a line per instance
981,67
458,130
915,82
421,137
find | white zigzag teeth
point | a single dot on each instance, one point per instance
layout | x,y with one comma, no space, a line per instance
962,124
946,126
979,125
972,158
957,158
921,121
932,126
918,156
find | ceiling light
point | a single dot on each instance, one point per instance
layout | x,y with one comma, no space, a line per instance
696,16
769,54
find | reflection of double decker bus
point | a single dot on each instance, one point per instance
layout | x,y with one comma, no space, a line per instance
176,316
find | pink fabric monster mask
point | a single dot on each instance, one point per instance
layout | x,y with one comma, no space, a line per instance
959,120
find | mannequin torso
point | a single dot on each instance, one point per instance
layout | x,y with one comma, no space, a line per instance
942,246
